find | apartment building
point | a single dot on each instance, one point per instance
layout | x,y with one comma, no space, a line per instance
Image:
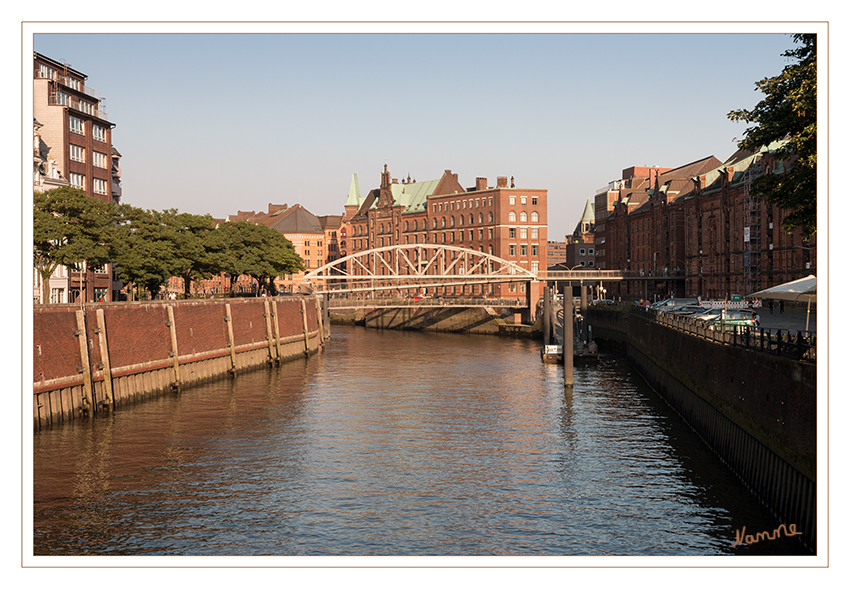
72,138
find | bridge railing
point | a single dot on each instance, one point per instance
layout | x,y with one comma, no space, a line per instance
386,302
800,345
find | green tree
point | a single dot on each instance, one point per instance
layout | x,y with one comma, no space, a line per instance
144,249
789,112
70,229
257,251
189,234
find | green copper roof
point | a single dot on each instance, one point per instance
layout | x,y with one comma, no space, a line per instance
354,199
589,213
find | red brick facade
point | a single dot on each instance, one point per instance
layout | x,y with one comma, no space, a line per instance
505,221
696,231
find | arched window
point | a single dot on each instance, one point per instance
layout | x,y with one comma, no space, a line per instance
461,220
453,221
407,225
523,217
481,217
491,216
512,217
535,217
471,218
444,221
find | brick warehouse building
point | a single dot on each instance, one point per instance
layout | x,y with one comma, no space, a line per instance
74,137
504,221
696,231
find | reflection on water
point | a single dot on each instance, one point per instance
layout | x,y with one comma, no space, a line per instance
394,443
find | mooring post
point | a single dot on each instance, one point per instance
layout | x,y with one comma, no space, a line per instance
583,290
568,341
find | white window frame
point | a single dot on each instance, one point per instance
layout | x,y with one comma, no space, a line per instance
100,160
77,125
98,133
77,180
99,186
78,153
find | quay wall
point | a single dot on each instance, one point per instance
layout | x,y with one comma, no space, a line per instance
106,355
757,411
478,320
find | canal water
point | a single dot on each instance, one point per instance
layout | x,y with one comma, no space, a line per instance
395,443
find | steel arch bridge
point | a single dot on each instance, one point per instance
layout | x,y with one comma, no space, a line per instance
414,266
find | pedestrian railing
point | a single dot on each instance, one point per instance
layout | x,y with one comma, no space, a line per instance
800,345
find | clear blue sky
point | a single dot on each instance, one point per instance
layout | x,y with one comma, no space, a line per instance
215,123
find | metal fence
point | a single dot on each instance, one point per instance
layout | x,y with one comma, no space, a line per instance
800,345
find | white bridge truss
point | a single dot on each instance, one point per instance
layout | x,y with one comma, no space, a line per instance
414,266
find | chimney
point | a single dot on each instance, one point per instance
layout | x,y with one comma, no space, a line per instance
481,184
501,181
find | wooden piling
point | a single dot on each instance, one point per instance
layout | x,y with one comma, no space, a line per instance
85,362
228,318
174,353
306,330
104,356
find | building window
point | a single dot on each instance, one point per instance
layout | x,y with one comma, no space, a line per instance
99,159
523,217
581,251
57,295
523,250
534,200
98,132
522,200
76,125
512,250
512,217
99,186
78,153
523,233
63,98
534,250
77,180
535,217
512,233
491,216
86,107
590,251
534,233
512,200
490,234
535,266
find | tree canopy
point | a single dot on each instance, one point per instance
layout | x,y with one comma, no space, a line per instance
70,228
257,251
148,247
788,112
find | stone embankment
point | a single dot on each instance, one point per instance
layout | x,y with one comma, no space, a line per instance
756,409
98,358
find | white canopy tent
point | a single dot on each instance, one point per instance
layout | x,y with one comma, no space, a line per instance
796,290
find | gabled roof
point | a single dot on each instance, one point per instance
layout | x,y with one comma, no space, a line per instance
296,219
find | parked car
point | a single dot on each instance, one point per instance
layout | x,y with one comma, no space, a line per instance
731,319
667,303
685,310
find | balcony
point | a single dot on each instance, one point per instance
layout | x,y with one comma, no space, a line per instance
73,101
